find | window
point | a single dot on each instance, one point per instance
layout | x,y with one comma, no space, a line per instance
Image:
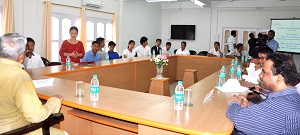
61,24
97,27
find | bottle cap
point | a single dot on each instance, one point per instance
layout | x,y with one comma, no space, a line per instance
180,82
95,76
223,66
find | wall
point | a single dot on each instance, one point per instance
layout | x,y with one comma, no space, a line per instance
187,13
198,16
137,19
29,16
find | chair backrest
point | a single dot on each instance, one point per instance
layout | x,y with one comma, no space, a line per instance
192,52
45,61
175,51
203,53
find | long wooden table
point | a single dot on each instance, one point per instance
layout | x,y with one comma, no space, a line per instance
125,108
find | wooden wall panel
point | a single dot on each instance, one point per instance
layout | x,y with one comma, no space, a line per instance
117,76
204,65
145,70
146,130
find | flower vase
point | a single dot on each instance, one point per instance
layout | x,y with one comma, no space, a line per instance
159,69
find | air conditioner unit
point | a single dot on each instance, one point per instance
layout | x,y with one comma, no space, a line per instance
93,3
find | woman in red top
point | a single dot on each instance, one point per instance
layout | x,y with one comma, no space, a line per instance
72,47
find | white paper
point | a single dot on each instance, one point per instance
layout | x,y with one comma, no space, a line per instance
208,96
232,85
43,82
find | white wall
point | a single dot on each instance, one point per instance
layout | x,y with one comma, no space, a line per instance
29,16
137,19
199,17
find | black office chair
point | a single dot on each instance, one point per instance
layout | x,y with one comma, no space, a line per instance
175,51
45,125
48,63
203,53
192,52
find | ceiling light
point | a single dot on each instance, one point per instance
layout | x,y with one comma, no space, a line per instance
160,0
199,3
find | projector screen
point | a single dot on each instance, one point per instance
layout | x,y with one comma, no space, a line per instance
287,34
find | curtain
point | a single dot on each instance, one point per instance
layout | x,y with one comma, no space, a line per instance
47,31
8,24
83,28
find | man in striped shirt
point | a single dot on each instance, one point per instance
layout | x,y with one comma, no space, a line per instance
280,112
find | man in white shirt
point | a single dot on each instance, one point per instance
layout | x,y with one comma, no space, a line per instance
182,50
143,49
216,51
236,52
166,50
32,60
231,42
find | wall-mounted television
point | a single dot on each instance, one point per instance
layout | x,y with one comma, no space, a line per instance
186,32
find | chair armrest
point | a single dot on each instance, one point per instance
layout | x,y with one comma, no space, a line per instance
45,125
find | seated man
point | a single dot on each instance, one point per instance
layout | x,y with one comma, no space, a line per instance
236,52
183,50
216,51
32,60
111,53
156,48
280,112
19,103
92,55
166,50
143,49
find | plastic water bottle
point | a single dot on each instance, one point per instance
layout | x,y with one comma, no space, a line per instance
239,72
153,56
246,58
236,61
171,51
222,76
94,91
224,55
160,52
106,57
68,63
243,58
232,69
179,96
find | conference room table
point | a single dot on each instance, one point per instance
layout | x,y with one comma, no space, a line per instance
126,107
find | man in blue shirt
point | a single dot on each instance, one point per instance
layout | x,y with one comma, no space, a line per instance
92,55
280,112
273,44
111,53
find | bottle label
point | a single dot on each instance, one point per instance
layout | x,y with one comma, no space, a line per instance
246,59
106,58
238,73
222,75
232,70
94,89
68,63
243,59
179,97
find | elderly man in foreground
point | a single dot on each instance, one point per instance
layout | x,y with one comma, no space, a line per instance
19,103
280,112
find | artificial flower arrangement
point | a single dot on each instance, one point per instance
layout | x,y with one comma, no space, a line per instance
161,60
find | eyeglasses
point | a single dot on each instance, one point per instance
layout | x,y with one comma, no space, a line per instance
262,58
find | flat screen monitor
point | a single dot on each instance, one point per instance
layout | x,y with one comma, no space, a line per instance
287,34
186,32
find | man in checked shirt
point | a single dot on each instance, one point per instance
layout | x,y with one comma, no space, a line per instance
280,112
